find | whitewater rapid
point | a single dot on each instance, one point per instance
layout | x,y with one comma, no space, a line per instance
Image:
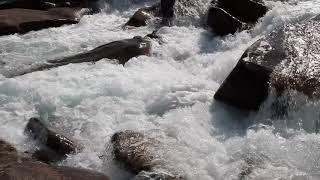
168,96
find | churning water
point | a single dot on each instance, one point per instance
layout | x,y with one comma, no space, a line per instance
168,96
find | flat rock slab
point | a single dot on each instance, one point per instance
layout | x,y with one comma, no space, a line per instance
25,20
288,58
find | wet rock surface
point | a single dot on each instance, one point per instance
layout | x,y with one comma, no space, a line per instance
25,20
285,59
53,146
122,50
222,22
228,16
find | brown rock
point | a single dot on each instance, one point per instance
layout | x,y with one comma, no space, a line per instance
25,20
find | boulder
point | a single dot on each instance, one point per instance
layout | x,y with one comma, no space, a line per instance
53,145
248,11
143,15
138,154
285,59
132,150
229,16
121,50
222,22
25,20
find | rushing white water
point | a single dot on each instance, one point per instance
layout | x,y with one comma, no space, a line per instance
168,96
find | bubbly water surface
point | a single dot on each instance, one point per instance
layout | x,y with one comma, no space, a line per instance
168,96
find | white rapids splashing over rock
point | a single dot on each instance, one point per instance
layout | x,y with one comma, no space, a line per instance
168,96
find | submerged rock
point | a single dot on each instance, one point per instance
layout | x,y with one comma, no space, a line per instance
229,16
53,145
122,51
137,153
285,59
25,20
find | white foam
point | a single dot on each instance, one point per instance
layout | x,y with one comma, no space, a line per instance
168,96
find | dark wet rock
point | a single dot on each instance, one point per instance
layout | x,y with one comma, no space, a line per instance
285,59
248,11
138,154
46,4
121,50
25,20
167,11
53,146
143,15
40,171
222,23
229,16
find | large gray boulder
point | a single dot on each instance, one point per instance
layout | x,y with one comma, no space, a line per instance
288,58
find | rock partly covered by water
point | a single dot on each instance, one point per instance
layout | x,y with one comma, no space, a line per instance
122,50
15,165
25,20
138,154
288,58
229,16
53,146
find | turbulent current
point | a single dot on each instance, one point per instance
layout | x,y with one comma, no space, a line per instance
168,95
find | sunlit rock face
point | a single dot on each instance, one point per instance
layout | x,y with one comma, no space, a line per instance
288,58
